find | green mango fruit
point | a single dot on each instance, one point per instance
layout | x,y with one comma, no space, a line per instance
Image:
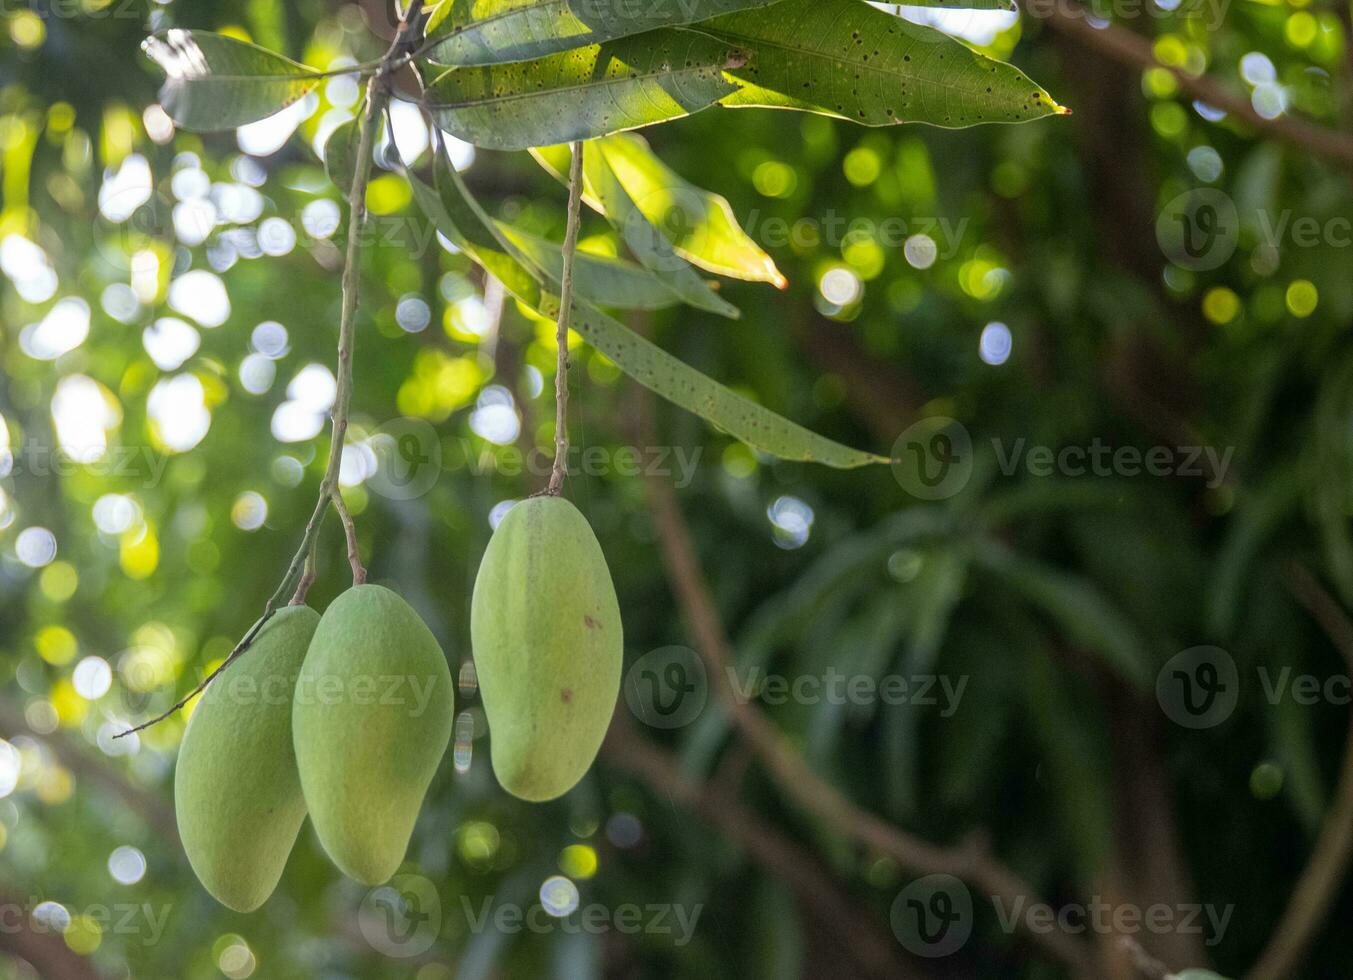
372,717
548,647
237,794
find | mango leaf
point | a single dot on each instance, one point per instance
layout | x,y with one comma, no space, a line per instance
584,93
647,244
683,385
596,278
340,155
522,261
489,32
556,161
699,224
218,82
847,59
461,219
472,232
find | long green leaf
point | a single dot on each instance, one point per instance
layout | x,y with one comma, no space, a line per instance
584,93
523,261
340,154
699,224
489,32
649,246
683,385
844,58
556,160
473,234
464,222
597,278
217,82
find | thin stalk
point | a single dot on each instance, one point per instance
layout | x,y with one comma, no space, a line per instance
575,196
377,95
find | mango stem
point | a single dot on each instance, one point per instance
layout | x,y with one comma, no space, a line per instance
575,196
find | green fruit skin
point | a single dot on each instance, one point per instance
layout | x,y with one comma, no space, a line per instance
237,794
372,718
548,647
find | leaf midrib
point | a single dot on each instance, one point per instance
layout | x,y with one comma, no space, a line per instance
217,77
585,87
753,43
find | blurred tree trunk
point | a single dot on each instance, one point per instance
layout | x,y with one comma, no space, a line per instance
1148,377
1147,865
45,952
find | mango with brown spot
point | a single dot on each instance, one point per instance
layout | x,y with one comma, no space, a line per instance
548,647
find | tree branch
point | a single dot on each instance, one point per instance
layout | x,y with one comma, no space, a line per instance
1131,48
1319,883
44,950
874,954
